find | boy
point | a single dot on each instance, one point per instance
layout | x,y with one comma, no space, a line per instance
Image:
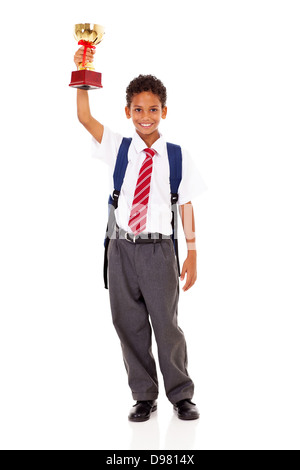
143,274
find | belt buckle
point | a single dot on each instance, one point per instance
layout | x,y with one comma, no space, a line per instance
128,239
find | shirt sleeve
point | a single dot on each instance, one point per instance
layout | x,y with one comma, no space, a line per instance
192,184
107,151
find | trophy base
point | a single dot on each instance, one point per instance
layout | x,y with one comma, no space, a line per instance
86,80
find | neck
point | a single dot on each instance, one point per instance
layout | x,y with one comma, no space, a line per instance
149,139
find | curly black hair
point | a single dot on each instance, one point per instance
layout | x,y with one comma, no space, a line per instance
146,83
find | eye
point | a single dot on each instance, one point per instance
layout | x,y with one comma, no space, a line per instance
138,110
154,110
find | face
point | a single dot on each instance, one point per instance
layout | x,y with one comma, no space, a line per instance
146,112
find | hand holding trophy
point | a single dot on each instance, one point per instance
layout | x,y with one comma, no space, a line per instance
87,35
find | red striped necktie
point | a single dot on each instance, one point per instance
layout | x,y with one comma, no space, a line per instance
139,209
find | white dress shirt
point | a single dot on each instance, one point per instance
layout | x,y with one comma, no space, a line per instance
159,207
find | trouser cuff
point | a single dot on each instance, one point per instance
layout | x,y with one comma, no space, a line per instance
144,396
175,399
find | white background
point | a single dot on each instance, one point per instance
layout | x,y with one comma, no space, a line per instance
232,73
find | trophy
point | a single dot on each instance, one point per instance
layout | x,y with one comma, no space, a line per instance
87,35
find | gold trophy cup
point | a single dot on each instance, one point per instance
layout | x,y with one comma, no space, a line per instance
87,35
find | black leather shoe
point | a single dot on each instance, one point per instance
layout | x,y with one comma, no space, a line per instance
142,410
186,410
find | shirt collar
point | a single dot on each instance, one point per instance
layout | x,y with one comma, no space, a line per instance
140,145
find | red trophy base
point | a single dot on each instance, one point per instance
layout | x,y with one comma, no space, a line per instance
86,80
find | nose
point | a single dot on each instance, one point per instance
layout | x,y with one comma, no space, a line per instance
146,116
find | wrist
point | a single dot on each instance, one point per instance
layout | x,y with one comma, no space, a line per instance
191,249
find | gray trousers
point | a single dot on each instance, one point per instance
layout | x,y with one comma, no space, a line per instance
143,286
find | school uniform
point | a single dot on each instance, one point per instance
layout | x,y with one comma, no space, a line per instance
143,278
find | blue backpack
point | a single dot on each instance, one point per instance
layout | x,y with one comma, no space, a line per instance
175,162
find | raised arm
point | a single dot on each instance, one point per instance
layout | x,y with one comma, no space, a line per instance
83,107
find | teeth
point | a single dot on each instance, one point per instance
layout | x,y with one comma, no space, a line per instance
146,125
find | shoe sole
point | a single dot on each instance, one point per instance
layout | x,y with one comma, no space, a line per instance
141,419
188,419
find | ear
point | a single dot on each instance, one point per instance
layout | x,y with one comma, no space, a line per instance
127,112
164,112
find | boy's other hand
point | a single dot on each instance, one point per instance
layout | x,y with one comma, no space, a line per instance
78,57
189,269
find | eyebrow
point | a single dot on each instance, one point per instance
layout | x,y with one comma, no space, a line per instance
140,106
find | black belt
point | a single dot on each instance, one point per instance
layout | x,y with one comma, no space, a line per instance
142,237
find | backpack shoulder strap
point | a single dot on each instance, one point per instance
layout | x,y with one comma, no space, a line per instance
175,162
121,163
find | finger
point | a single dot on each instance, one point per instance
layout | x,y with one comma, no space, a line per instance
89,56
90,53
189,282
77,60
80,51
78,56
183,273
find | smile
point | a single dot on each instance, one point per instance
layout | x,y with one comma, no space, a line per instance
146,126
